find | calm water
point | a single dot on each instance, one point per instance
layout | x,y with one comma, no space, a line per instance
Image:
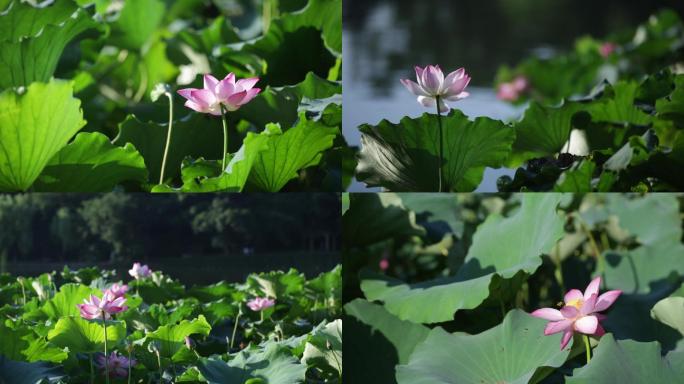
384,39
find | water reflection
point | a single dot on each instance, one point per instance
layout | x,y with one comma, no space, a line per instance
383,39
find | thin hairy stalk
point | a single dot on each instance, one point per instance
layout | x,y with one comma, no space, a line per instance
441,146
168,138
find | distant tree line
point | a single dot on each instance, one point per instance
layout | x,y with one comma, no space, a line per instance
118,226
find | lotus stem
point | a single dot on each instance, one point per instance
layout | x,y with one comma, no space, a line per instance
441,145
587,345
92,370
225,138
129,366
232,338
168,138
106,360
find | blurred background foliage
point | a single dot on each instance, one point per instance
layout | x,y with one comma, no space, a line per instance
194,237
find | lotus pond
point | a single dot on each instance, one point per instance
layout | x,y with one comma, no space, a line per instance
77,325
520,288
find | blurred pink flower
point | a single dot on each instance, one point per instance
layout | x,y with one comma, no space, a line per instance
384,264
580,312
228,92
139,271
260,303
606,49
432,84
97,308
511,91
118,364
116,290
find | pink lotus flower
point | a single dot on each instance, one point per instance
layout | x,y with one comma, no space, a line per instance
511,91
260,303
118,364
117,290
580,312
227,92
432,85
384,264
140,271
97,308
606,49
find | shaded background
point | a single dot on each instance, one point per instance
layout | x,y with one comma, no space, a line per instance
384,39
196,238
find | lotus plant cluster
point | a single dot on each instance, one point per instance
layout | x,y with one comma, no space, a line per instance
580,313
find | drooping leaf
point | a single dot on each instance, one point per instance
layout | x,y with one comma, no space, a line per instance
85,336
670,311
521,240
405,156
32,40
91,164
288,152
629,362
376,341
30,135
509,353
324,348
18,372
375,217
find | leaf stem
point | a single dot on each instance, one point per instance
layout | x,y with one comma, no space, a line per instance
587,346
168,138
106,360
129,366
225,138
441,145
232,338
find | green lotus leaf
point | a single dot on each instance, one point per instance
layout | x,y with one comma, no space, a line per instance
330,25
30,135
206,176
196,135
64,302
376,217
33,40
672,107
19,372
91,163
137,22
85,336
171,337
405,156
376,341
521,240
288,152
670,311
277,283
577,179
543,131
509,353
272,365
617,105
629,362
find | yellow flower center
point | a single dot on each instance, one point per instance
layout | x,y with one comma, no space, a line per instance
577,303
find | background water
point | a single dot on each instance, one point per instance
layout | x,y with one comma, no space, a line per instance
384,39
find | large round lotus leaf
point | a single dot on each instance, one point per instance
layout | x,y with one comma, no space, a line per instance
405,156
34,126
85,336
508,353
629,362
171,337
501,246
